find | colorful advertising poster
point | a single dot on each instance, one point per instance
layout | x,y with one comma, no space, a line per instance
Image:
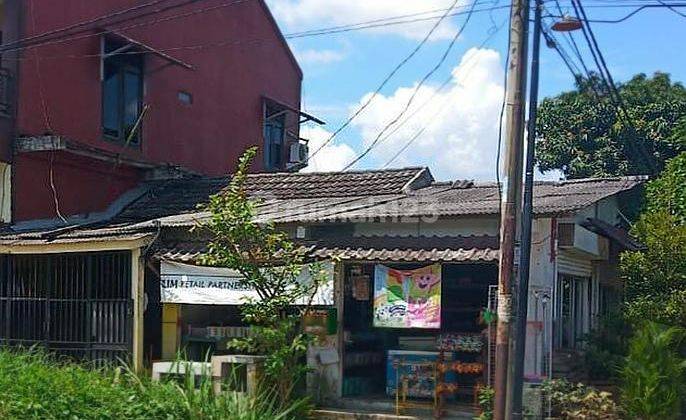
407,298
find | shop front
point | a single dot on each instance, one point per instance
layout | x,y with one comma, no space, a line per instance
201,307
417,327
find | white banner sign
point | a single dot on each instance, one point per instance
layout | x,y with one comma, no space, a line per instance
192,284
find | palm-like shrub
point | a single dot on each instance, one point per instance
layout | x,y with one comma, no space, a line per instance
653,377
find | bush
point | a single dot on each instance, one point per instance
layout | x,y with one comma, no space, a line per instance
654,373
655,278
607,346
36,386
579,401
485,396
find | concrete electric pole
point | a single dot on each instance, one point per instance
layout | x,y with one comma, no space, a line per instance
511,197
516,379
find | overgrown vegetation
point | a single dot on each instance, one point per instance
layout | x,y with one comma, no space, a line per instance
655,278
36,386
577,401
270,264
607,345
654,375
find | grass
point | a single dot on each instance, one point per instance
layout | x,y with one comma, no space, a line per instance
34,385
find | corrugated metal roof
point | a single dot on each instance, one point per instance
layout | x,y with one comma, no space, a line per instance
96,235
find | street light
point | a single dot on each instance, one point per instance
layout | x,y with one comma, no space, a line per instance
567,24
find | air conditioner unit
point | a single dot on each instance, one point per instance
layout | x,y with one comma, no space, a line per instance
299,152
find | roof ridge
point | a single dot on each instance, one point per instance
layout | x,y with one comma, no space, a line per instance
608,178
363,171
471,236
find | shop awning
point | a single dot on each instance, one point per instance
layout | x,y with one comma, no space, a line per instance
201,285
448,249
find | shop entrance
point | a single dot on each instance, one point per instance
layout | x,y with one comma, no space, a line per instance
373,354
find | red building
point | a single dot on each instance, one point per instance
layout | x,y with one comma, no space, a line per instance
102,95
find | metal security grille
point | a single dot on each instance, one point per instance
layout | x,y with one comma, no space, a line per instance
78,305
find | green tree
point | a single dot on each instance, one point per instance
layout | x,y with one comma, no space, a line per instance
655,278
270,264
583,134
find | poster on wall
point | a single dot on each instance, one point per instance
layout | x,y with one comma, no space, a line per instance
407,298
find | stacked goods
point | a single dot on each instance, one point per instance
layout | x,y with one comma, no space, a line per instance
468,343
446,388
468,368
463,368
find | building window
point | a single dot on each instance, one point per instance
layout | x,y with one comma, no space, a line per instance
274,130
185,97
122,93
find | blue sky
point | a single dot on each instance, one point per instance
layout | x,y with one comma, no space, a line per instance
457,125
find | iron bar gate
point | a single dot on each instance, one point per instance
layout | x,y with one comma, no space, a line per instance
76,304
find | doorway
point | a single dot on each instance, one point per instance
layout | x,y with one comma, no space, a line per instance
574,310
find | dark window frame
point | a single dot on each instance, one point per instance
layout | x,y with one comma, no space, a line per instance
124,64
274,118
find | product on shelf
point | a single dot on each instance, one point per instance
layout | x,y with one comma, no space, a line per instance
469,343
463,368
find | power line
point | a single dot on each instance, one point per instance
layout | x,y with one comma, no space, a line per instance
80,24
383,22
383,83
573,44
672,8
608,80
442,108
415,92
132,26
195,46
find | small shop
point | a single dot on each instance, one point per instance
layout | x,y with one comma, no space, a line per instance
201,307
417,327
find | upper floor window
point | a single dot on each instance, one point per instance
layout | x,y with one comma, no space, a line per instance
274,132
122,93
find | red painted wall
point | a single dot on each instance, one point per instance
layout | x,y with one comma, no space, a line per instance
81,184
237,53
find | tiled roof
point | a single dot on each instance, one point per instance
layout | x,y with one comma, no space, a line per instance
183,195
175,202
348,197
374,248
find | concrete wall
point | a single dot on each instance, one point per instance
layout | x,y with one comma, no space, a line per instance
442,227
237,54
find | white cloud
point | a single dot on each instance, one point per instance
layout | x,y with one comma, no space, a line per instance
333,157
319,56
298,15
460,140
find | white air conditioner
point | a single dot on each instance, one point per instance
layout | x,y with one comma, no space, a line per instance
299,152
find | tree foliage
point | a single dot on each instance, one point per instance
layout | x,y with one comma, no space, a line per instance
270,264
655,278
653,375
583,134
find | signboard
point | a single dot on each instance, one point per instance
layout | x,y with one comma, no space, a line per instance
193,284
407,298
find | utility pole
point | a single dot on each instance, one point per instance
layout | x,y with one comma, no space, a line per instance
516,379
511,197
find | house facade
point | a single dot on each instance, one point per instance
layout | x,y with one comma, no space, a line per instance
99,96
369,227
